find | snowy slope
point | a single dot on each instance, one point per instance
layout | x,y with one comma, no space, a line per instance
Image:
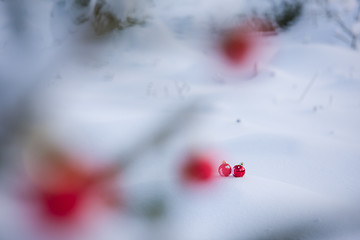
298,130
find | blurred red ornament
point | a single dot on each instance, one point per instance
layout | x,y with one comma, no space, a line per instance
224,169
239,170
198,168
64,189
242,45
62,202
237,46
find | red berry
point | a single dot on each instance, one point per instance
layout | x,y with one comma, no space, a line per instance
239,170
198,168
63,196
66,188
224,169
241,45
60,204
237,46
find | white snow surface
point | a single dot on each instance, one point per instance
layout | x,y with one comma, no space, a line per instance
298,131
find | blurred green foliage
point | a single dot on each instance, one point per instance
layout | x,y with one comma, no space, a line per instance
287,13
102,19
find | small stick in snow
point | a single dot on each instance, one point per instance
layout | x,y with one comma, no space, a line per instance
308,87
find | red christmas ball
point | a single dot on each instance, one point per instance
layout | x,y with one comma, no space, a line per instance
224,169
239,170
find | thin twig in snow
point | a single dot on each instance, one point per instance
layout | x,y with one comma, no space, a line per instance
308,87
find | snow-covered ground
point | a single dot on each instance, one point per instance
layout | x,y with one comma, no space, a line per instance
295,124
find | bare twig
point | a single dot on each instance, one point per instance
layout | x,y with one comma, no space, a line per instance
353,41
347,30
342,24
357,16
342,38
308,87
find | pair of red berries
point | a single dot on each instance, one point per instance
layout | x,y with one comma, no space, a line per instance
225,170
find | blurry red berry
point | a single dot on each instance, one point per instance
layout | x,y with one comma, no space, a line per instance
65,187
239,170
60,203
224,169
198,168
237,46
241,45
